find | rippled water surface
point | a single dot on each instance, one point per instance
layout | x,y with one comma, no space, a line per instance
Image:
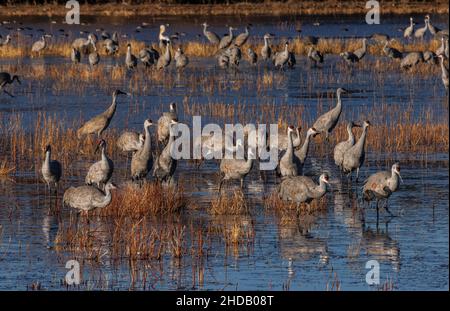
325,250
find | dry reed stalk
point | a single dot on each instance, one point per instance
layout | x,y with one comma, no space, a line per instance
234,204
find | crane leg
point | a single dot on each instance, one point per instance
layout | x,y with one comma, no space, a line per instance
357,175
377,213
242,183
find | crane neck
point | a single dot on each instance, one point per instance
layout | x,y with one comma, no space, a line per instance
289,150
47,158
112,109
351,137
318,191
362,139
266,42
304,149
147,140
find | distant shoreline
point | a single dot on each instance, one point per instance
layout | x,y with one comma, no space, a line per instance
326,7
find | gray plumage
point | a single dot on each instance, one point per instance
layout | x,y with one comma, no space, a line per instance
165,165
355,155
302,189
420,32
281,58
181,60
101,171
94,57
407,33
315,56
226,40
84,45
349,57
287,166
266,51
235,169
111,45
301,154
163,39
6,78
326,122
51,170
130,59
361,52
211,36
75,56
223,60
164,123
165,59
283,140
391,52
142,160
441,49
130,141
411,59
252,56
234,54
100,123
429,57
87,198
343,146
444,72
433,29
242,38
6,41
148,56
39,45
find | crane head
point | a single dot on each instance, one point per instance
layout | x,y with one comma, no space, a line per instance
366,123
325,178
312,131
110,186
118,92
148,123
100,144
290,128
396,170
48,148
353,124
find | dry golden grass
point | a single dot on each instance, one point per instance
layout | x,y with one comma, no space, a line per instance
6,168
274,202
272,8
233,204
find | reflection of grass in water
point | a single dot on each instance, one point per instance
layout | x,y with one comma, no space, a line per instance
274,202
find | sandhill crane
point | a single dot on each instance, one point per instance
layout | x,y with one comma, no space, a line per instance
355,155
165,165
6,41
291,60
100,123
223,60
390,51
130,141
444,72
234,55
420,32
148,56
163,39
283,140
243,37
349,57
75,56
236,168
5,78
301,154
433,29
266,51
164,123
441,49
361,52
165,59
343,146
101,171
84,45
130,59
211,36
94,57
227,39
429,57
281,58
287,165
51,169
142,160
302,189
326,122
315,56
39,46
181,60
411,59
87,198
111,45
252,56
407,33
381,185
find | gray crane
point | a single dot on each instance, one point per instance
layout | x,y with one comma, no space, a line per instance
227,39
355,155
420,32
6,78
291,60
101,171
130,59
164,165
252,56
234,54
266,51
94,57
111,45
433,29
301,154
148,56
142,160
223,60
100,123
315,56
326,122
39,46
242,38
381,185
343,146
164,123
51,170
390,51
281,58
441,49
130,141
181,60
407,33
361,52
429,57
6,41
444,72
165,59
87,198
75,56
84,45
287,166
302,189
349,57
235,168
163,39
411,59
283,140
211,36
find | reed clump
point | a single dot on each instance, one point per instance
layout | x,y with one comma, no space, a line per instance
6,168
229,204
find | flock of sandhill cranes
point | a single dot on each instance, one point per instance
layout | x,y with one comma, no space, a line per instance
349,155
